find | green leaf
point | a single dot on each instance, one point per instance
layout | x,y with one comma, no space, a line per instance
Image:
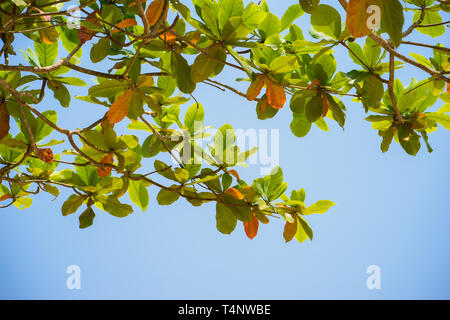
87,218
181,174
46,53
138,194
319,207
225,219
269,26
252,16
193,119
327,20
304,231
314,109
72,204
112,205
431,17
292,13
441,118
392,20
228,9
300,126
205,65
60,93
372,92
100,50
166,197
108,88
309,5
283,64
182,73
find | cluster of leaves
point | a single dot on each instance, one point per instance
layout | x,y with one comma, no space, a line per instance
156,68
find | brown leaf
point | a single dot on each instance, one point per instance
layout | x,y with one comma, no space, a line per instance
124,24
105,171
357,18
119,109
84,34
326,107
234,173
154,12
4,120
290,229
255,87
5,197
45,155
251,227
235,193
276,96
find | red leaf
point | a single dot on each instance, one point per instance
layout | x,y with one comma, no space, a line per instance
314,83
251,227
5,197
4,120
84,34
326,107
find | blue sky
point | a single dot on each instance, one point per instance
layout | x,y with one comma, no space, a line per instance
392,211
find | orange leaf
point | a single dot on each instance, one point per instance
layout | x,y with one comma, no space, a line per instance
124,24
48,35
193,37
234,173
119,109
45,155
235,193
168,36
326,107
314,83
154,12
5,197
290,229
4,120
276,96
357,18
251,227
255,87
448,87
105,171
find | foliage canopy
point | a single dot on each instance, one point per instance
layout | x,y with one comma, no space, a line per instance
161,51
